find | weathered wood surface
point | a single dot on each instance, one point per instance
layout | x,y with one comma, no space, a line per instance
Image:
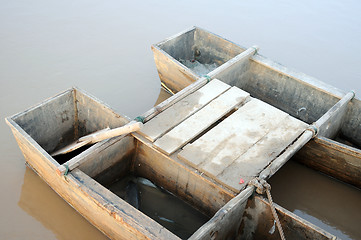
261,154
296,93
243,144
181,46
201,120
169,118
172,72
257,223
330,123
226,222
179,178
73,191
51,119
332,158
102,156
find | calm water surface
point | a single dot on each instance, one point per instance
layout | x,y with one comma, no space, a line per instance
103,47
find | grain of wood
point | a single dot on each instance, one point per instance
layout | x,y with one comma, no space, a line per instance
219,147
200,121
172,116
258,156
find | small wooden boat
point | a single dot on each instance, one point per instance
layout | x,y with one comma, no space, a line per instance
85,175
337,154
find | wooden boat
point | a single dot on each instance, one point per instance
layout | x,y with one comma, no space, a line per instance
58,121
337,154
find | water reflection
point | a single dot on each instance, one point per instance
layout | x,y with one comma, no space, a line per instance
320,199
42,203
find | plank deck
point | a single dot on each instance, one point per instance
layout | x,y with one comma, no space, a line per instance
250,164
234,136
201,120
172,116
256,130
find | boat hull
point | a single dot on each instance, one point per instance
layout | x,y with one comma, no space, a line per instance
295,93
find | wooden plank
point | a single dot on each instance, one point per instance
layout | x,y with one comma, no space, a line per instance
219,147
172,116
332,158
330,123
258,221
251,163
180,179
200,121
224,223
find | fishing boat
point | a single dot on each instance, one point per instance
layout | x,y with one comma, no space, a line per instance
163,151
196,54
82,177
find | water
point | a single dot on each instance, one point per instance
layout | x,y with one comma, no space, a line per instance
320,199
197,67
103,47
160,205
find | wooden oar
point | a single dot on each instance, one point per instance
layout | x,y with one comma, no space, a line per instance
100,136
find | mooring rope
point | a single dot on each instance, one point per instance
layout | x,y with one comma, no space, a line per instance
261,187
66,169
139,119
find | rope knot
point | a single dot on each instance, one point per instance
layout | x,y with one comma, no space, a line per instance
207,77
260,184
139,119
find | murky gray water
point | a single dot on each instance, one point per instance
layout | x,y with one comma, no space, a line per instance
160,205
103,47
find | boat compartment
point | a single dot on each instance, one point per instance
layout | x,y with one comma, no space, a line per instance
191,54
63,119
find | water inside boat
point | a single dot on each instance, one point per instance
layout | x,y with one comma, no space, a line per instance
318,198
159,204
198,67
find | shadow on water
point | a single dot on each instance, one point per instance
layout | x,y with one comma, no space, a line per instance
318,198
42,203
160,205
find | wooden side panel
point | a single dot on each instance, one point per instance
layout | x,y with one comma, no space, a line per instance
94,115
274,84
333,158
106,155
219,147
201,120
169,118
214,49
258,223
179,46
226,222
180,179
174,74
351,127
50,123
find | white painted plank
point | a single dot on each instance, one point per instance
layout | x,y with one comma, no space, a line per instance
234,136
251,163
182,109
200,121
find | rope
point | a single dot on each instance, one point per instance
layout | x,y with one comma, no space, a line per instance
207,77
261,187
139,119
255,50
66,169
280,230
